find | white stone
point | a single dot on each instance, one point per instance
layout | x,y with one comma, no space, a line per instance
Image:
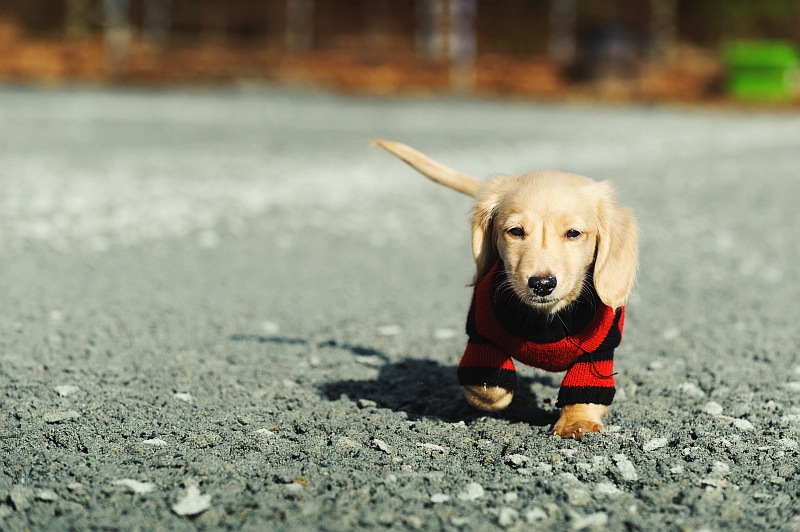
578,496
691,389
599,520
135,486
444,334
47,495
438,498
366,403
346,444
510,497
66,389
535,515
432,447
671,333
678,469
743,424
720,467
389,330
787,444
507,517
517,460
271,327
58,417
382,446
655,443
265,432
473,492
155,441
183,397
192,503
625,467
607,488
713,408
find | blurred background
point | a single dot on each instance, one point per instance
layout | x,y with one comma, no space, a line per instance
645,50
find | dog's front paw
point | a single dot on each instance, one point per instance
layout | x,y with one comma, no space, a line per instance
488,398
578,420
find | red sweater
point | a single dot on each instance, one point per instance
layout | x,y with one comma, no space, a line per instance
579,339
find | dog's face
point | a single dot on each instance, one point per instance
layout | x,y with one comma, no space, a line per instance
548,227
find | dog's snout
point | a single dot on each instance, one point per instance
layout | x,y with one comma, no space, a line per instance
542,286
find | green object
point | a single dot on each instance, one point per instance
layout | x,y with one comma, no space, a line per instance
761,70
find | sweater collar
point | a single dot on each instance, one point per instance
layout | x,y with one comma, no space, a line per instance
531,324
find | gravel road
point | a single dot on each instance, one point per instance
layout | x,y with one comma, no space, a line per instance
225,310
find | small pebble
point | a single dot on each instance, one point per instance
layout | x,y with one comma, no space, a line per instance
599,520
473,492
366,403
787,444
389,330
535,515
270,327
743,424
183,396
655,443
382,446
438,498
517,460
444,334
66,389
607,488
511,496
625,467
192,503
135,486
432,447
507,517
691,389
47,495
265,432
58,417
155,441
713,408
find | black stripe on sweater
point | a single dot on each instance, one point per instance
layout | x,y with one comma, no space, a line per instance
573,395
483,376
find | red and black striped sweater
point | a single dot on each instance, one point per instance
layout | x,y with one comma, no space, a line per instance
579,339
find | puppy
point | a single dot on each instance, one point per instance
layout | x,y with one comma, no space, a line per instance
556,258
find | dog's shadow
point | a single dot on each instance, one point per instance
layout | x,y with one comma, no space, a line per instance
424,388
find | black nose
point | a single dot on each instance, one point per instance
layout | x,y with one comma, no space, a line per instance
542,286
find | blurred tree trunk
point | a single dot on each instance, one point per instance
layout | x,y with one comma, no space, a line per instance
377,39
663,29
117,33
430,36
299,25
462,45
156,24
215,21
561,43
76,23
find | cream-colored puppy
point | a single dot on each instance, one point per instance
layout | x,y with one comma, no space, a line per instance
552,233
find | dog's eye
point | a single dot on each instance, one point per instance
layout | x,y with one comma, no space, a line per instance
572,233
516,231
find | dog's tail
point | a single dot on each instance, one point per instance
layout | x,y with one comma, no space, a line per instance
428,167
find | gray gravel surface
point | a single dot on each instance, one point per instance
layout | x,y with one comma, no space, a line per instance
227,311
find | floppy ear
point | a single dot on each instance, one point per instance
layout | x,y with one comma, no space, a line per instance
484,247
617,251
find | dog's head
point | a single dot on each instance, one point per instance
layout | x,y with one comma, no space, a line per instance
548,228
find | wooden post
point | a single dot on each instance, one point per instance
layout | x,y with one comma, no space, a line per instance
76,22
299,25
663,29
156,23
430,35
462,45
116,34
561,43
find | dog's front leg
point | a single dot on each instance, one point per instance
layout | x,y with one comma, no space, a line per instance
579,419
488,398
